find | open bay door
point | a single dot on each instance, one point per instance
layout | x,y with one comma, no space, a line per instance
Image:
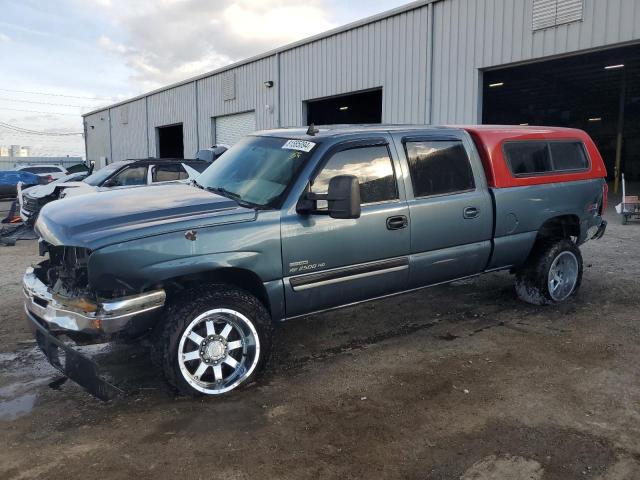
231,128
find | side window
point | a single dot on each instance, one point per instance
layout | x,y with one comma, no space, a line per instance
168,173
568,156
439,167
129,176
372,166
525,158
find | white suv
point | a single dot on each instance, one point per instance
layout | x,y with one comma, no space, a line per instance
50,172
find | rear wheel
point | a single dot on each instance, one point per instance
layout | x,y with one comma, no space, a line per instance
214,340
552,274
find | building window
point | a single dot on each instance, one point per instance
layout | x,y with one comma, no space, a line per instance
439,168
550,13
372,166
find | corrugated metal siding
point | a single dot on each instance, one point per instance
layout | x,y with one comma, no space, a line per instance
390,53
177,105
477,34
98,143
129,131
250,94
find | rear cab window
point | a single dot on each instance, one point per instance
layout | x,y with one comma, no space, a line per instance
539,157
438,167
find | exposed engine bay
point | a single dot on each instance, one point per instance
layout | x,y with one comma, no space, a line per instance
65,272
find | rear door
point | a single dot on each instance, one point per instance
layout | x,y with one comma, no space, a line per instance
330,262
449,204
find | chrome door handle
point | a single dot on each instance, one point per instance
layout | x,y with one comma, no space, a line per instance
397,222
471,212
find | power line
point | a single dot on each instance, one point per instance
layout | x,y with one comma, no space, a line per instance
36,111
56,94
17,129
41,103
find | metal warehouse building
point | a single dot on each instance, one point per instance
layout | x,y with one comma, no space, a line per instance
554,62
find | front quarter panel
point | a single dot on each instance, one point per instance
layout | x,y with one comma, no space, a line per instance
140,264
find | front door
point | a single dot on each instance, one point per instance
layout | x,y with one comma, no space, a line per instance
330,262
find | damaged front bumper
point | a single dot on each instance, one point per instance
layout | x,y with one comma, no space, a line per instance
79,315
71,363
52,317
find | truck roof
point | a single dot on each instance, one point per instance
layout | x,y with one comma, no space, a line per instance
329,131
488,139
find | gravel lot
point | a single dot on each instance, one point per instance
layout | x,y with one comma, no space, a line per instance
459,381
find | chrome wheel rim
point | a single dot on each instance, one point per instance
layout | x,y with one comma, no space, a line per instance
218,350
563,276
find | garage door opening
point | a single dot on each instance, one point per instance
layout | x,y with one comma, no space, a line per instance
170,141
364,107
598,92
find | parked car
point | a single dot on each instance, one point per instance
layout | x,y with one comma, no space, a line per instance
213,153
32,199
136,173
9,180
48,172
290,222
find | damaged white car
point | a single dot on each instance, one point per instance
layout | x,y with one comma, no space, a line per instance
124,174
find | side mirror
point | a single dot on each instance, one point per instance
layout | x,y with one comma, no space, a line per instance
343,199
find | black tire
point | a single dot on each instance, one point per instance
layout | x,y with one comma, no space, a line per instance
532,280
181,311
625,219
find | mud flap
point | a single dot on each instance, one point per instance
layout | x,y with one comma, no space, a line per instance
74,365
601,229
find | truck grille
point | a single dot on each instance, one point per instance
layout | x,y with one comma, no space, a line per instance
30,204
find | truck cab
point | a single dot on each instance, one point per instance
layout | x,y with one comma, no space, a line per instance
291,222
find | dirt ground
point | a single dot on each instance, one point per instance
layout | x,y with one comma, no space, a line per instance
458,381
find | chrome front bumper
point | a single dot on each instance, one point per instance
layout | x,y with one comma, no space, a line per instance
78,315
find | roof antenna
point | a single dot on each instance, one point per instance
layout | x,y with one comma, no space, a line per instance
312,130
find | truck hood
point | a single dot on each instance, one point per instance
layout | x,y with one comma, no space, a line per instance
95,221
41,191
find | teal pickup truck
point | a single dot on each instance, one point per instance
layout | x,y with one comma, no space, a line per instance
292,222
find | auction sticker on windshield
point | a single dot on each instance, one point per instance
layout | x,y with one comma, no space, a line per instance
301,145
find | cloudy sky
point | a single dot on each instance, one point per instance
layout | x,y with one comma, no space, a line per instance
63,58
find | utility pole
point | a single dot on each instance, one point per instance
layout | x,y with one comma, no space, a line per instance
623,94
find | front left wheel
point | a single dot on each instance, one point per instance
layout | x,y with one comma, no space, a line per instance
214,339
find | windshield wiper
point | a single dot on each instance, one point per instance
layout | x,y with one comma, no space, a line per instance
196,184
233,196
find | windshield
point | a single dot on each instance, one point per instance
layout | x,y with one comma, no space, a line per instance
257,170
101,175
